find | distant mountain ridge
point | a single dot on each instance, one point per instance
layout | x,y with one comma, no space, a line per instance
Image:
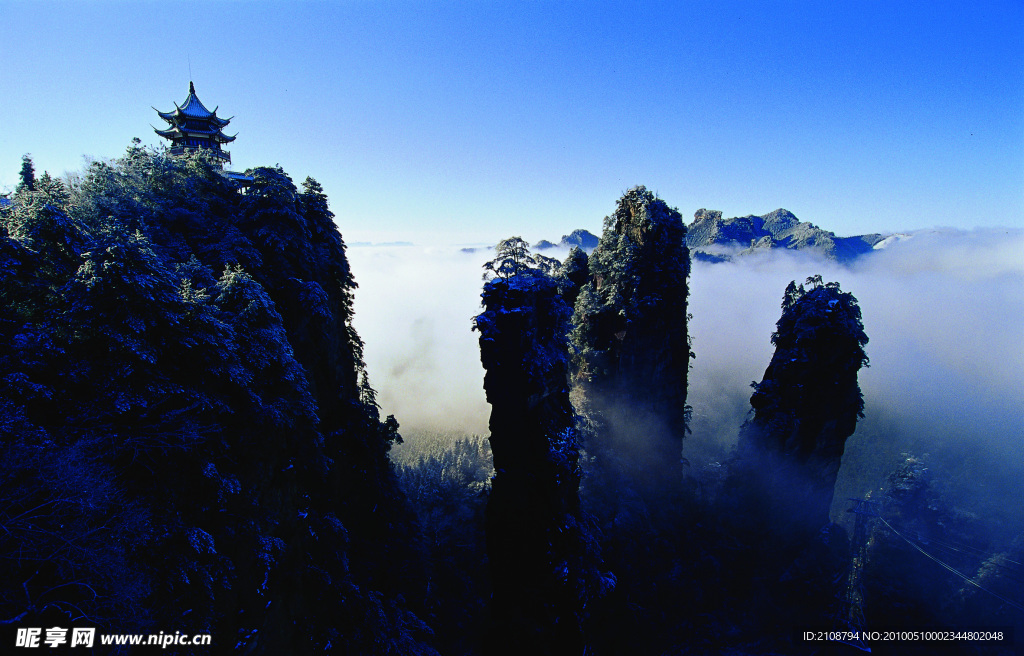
582,238
712,238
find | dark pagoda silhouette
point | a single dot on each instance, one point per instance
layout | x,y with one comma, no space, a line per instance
191,126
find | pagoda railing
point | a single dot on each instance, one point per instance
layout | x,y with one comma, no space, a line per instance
220,154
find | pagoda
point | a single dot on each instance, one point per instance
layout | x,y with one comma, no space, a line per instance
193,127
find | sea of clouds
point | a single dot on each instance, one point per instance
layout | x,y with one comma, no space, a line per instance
944,310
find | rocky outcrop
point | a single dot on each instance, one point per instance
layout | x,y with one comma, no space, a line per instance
534,532
630,320
805,407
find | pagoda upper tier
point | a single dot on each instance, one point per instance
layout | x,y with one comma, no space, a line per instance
191,126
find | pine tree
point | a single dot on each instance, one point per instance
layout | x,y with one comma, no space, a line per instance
512,256
27,175
576,270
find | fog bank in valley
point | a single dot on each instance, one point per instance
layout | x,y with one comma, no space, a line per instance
414,310
944,311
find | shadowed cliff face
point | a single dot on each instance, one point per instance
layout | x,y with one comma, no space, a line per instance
533,530
806,406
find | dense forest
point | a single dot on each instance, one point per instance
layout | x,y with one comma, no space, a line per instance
192,443
190,437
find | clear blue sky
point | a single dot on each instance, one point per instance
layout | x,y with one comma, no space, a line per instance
478,120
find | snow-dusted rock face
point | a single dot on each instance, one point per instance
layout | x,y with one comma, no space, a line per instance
630,320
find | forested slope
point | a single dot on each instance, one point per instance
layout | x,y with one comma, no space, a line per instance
190,439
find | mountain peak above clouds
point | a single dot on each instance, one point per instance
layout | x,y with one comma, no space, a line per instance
713,238
582,238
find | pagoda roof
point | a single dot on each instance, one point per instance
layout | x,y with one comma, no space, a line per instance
179,132
193,108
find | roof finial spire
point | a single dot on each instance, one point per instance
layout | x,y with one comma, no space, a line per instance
191,87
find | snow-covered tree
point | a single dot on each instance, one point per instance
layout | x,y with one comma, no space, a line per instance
27,175
202,440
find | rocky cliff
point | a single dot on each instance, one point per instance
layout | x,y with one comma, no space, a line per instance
534,539
805,407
